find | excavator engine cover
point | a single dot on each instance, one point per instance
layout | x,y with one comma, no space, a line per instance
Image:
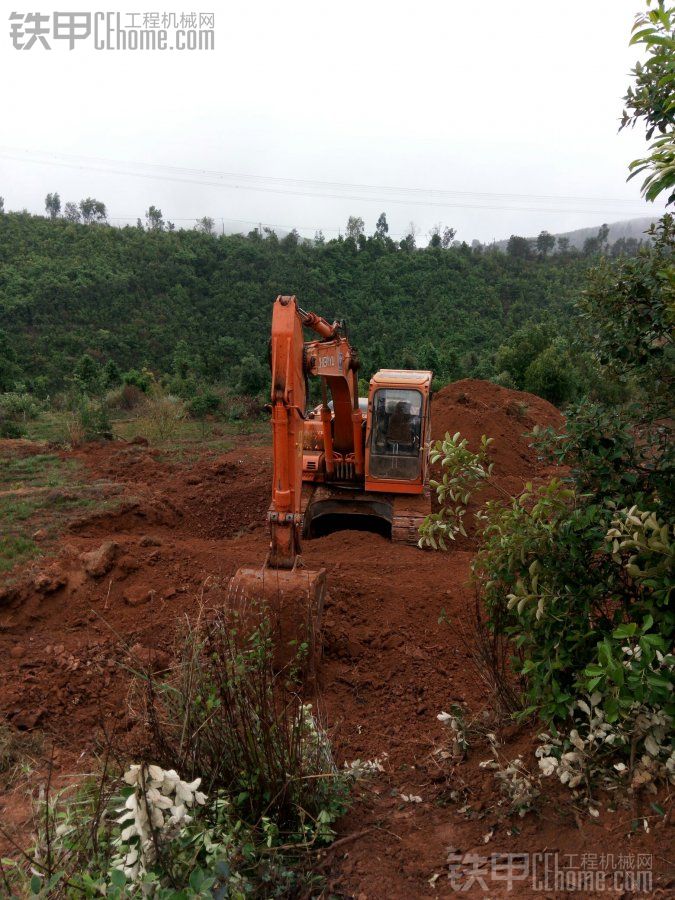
292,599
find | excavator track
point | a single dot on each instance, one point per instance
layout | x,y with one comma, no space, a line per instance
400,515
409,513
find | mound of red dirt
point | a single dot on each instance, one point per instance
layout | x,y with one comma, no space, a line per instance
476,408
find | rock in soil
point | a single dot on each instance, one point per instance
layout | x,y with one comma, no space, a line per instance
100,561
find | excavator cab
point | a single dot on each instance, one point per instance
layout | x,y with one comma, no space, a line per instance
398,431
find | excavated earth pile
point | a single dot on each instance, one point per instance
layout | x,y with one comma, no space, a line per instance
395,646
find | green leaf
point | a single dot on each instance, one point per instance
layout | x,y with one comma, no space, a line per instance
196,880
611,709
594,670
118,878
624,631
35,884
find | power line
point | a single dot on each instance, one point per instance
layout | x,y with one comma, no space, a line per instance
333,185
316,194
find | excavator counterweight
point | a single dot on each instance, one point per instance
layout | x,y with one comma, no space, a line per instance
348,463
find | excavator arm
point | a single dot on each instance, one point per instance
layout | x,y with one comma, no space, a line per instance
291,595
292,360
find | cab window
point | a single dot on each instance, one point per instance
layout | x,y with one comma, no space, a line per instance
396,434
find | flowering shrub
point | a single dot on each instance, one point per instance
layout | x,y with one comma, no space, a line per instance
594,751
153,813
226,721
224,714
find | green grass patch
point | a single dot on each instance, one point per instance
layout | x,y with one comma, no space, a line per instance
40,491
13,509
15,549
217,435
38,470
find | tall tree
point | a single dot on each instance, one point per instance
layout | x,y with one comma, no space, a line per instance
71,212
154,219
448,237
409,242
435,235
205,225
545,242
518,247
53,205
355,226
381,227
92,211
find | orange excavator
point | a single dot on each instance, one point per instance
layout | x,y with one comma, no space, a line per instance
352,462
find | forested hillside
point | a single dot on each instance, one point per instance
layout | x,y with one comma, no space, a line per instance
132,295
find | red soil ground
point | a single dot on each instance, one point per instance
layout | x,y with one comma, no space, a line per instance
388,666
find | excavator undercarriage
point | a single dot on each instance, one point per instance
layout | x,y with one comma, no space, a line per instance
397,516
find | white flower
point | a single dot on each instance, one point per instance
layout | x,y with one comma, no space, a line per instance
156,773
129,832
444,717
576,740
548,765
132,775
156,817
185,791
161,801
170,781
158,803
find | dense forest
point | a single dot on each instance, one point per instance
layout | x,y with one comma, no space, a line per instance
141,296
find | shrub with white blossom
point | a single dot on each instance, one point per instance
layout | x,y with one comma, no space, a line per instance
153,813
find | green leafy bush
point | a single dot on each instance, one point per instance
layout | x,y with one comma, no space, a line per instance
203,404
140,379
19,407
463,472
225,715
87,419
165,412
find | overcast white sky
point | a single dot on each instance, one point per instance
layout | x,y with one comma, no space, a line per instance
485,100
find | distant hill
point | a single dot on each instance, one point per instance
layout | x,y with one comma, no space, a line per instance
129,296
634,228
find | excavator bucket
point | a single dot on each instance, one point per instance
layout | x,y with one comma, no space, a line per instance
292,601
